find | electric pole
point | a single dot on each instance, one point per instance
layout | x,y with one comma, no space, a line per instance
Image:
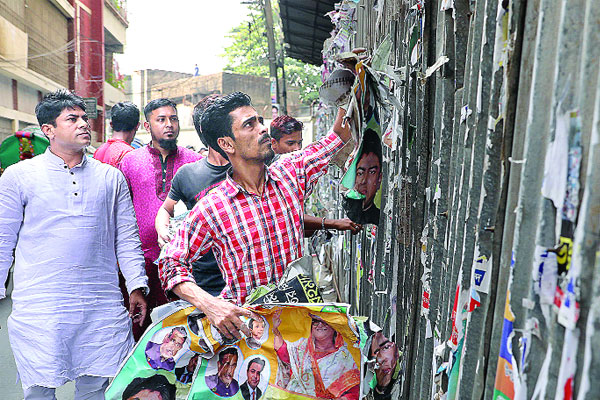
271,41
283,83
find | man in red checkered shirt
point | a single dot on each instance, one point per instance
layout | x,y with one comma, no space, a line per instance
253,221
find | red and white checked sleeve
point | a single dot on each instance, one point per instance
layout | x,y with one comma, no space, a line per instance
192,241
311,163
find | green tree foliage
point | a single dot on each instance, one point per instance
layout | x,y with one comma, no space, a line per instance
248,54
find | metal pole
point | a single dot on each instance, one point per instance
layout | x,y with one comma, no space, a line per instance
283,82
271,42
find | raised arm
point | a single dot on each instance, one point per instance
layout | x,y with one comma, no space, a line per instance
277,337
341,127
308,165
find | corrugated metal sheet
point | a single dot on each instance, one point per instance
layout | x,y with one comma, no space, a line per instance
514,112
305,28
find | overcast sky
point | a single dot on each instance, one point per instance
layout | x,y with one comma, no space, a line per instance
175,35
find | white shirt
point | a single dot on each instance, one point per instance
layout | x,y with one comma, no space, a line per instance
69,227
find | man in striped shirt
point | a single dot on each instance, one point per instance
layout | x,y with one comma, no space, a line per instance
253,221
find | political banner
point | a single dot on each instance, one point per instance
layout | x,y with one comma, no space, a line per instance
300,351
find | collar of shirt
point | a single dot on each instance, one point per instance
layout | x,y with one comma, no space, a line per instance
117,140
56,161
155,152
232,188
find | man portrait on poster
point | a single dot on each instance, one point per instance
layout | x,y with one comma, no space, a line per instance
250,389
162,355
185,374
223,383
155,387
387,364
367,182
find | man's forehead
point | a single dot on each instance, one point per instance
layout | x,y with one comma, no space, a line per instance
243,113
72,110
164,111
369,160
378,340
295,136
256,365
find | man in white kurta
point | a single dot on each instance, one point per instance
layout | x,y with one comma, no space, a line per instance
71,223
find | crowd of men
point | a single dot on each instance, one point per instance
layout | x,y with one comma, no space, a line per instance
90,239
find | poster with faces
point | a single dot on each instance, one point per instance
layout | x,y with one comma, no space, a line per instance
308,350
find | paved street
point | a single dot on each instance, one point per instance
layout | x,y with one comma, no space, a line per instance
11,390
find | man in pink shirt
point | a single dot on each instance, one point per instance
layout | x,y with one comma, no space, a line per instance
125,121
149,171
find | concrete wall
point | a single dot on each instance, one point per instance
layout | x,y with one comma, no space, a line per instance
5,128
13,43
190,90
114,24
27,98
6,99
46,27
140,87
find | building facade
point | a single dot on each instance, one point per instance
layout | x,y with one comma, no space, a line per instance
186,90
50,44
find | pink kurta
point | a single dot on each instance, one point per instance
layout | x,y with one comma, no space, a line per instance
149,179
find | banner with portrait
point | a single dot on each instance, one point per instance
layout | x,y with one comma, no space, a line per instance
299,351
362,201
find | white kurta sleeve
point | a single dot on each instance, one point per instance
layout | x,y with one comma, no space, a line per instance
11,216
127,240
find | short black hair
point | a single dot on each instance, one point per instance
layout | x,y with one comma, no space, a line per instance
371,144
54,103
256,360
199,109
124,116
229,350
158,103
284,125
157,383
216,121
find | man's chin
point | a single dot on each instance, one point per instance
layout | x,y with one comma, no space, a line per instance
168,144
269,154
385,381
